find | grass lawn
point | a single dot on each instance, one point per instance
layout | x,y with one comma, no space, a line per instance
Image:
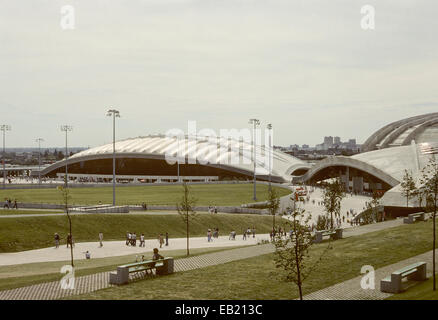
420,291
13,211
25,233
257,278
208,194
16,276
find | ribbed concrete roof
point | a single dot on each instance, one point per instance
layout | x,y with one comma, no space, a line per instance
211,151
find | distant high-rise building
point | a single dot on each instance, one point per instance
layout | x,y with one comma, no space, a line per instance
337,141
328,142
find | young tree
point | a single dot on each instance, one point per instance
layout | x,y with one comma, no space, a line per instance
408,186
186,211
273,204
65,196
322,222
292,253
429,183
332,196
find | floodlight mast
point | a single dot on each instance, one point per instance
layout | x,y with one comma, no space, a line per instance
4,128
66,128
269,127
255,122
39,140
114,113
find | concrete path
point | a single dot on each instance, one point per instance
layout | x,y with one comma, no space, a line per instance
352,290
355,202
86,284
119,248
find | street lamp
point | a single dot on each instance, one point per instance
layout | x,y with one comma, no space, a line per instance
114,113
39,140
269,127
255,122
4,128
66,129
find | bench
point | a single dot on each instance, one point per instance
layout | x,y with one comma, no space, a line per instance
334,234
393,283
420,216
162,267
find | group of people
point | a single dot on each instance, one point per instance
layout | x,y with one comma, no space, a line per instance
8,204
69,241
131,239
248,232
245,234
212,234
212,209
161,239
278,232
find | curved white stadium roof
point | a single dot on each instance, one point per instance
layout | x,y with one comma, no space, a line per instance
422,128
217,152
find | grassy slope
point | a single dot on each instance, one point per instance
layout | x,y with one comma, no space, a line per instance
257,278
13,211
210,194
33,273
27,233
421,291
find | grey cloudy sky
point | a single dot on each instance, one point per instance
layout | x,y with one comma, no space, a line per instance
305,66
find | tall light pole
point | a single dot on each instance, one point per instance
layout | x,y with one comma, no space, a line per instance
255,122
39,140
66,128
269,127
4,128
114,113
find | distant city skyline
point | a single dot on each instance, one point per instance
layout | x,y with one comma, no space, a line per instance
306,67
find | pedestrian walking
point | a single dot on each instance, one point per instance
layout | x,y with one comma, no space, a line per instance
134,239
142,244
100,239
128,238
160,240
167,239
57,238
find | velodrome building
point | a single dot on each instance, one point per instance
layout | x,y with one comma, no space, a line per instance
145,159
402,145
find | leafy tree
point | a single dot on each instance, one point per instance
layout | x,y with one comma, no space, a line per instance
65,197
273,204
292,253
408,186
429,184
186,211
332,196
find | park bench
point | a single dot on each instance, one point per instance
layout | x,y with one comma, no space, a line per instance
334,234
420,216
393,283
162,267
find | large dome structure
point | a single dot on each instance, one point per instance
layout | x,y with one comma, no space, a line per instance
148,156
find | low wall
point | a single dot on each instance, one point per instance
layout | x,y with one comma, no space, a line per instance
223,209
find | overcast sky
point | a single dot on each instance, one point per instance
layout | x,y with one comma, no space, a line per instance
305,66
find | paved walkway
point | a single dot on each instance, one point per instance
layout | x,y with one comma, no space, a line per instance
119,248
90,283
352,290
